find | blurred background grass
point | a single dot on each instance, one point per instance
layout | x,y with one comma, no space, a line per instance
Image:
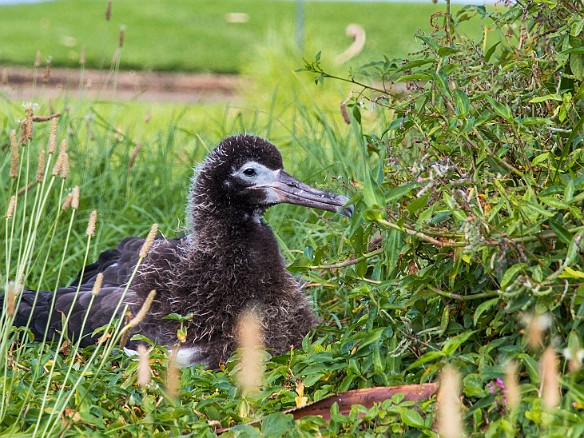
195,36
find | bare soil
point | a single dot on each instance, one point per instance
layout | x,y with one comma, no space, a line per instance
19,83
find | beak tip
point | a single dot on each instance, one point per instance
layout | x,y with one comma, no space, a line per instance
347,211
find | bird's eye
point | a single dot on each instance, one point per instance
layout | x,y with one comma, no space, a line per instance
250,171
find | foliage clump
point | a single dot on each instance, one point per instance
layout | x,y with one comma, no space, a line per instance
475,191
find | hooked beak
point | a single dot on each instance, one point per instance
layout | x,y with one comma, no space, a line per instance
288,189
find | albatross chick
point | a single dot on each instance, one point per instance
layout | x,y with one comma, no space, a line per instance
228,262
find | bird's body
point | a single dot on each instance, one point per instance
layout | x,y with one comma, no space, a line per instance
228,262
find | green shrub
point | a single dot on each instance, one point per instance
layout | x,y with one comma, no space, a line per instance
476,187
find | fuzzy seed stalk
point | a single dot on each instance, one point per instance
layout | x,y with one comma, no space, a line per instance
144,371
75,198
53,136
11,207
40,173
14,155
550,379
91,224
449,412
149,241
250,337
97,285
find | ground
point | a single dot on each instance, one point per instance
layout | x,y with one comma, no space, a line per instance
20,83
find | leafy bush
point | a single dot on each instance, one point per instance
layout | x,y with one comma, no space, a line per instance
475,192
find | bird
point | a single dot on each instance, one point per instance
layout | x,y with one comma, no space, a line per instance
227,262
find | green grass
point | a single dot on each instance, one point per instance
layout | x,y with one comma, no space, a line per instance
473,180
192,35
64,392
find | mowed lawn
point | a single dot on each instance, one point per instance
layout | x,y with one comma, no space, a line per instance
196,35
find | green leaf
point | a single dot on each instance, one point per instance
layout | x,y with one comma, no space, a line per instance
577,65
277,424
462,103
400,191
415,77
301,264
445,51
357,114
491,50
473,385
452,344
500,108
571,273
511,274
534,207
529,121
563,234
531,367
547,97
412,418
483,307
371,337
372,195
418,203
540,159
554,202
431,356
574,248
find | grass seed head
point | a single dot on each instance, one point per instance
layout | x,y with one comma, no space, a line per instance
29,116
53,136
449,412
14,155
172,374
536,326
11,207
23,131
550,379
250,338
12,291
61,166
64,171
91,224
149,241
97,285
40,173
134,155
67,201
121,36
108,10
37,59
144,371
143,310
345,113
512,386
75,199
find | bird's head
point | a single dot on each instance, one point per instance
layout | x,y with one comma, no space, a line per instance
246,173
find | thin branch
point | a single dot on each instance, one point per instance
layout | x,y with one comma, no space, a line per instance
463,297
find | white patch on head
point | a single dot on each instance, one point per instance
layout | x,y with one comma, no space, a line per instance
257,175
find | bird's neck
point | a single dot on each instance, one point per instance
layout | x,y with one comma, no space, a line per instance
225,226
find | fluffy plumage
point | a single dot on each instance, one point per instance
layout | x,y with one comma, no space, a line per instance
229,261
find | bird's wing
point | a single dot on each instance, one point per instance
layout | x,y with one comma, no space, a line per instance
45,312
116,265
